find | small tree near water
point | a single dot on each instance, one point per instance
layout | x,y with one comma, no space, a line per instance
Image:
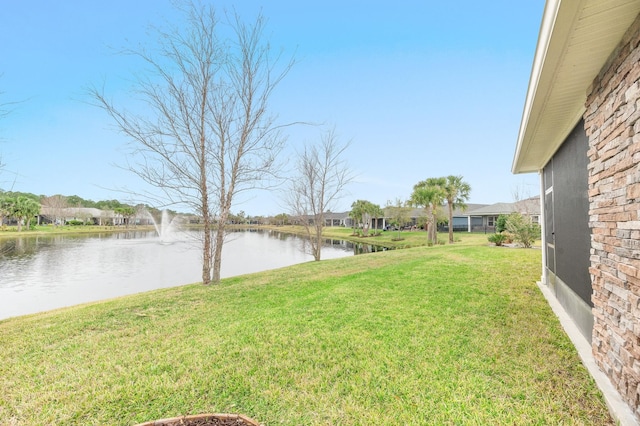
361,212
319,182
398,215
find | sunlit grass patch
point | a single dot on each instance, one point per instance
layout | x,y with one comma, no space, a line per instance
444,335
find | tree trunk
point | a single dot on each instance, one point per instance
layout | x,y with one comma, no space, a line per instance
429,224
433,234
206,248
365,226
217,251
450,223
316,245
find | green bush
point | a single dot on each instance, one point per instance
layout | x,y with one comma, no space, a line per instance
75,222
522,229
498,239
501,223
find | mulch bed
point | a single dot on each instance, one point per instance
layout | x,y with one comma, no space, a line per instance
205,420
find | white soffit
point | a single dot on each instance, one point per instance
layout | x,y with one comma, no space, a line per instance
576,39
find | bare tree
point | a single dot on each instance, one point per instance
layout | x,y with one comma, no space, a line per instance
320,179
523,202
209,135
55,207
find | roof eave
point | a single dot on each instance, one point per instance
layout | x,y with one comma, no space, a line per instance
562,71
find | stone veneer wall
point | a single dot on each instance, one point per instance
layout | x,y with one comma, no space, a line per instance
612,124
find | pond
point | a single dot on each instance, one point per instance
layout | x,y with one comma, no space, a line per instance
39,273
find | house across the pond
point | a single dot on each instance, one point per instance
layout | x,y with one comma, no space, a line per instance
475,218
483,219
87,215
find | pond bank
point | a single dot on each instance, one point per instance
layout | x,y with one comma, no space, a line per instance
72,230
47,271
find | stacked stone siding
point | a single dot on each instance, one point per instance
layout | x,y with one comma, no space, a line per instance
612,124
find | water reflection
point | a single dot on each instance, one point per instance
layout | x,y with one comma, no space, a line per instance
355,248
18,247
39,273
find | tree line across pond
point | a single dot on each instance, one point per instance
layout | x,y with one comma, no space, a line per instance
23,207
70,200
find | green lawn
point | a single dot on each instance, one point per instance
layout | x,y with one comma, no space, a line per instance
447,335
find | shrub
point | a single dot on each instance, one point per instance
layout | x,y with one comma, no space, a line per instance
75,222
523,230
501,223
498,239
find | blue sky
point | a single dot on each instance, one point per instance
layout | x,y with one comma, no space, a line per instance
420,88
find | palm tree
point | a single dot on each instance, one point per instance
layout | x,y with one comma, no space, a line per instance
127,212
377,213
430,194
456,193
25,209
6,207
354,220
362,211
